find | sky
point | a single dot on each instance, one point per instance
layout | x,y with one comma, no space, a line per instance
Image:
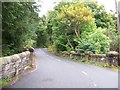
109,4
49,5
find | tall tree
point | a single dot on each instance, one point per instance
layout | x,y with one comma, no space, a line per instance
75,15
18,26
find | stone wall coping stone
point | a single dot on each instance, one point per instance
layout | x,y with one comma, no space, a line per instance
13,58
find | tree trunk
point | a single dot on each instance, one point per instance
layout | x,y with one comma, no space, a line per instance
77,33
70,43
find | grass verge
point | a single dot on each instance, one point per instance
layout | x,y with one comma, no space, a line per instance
5,82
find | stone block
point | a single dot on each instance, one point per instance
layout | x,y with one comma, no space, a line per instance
22,55
1,61
15,57
7,67
5,74
7,60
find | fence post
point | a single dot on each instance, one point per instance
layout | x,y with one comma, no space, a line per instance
111,55
32,57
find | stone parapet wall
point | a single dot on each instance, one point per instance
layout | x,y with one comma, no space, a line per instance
101,58
10,66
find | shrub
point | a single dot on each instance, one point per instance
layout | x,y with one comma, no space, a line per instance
97,42
52,49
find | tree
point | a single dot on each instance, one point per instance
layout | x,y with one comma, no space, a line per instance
19,23
102,18
82,26
42,33
107,21
75,15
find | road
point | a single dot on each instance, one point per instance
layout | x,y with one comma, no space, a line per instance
57,72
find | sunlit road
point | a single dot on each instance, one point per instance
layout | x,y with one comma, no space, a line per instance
56,72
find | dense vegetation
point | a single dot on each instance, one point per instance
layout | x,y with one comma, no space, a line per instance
82,27
71,26
19,21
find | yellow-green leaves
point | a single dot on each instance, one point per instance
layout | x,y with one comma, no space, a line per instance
74,15
76,12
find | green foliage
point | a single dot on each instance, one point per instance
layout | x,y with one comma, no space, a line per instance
102,18
52,49
70,26
60,43
114,45
82,27
64,27
5,82
95,41
79,12
42,33
105,20
19,23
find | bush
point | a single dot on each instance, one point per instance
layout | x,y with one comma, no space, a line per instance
60,43
97,42
52,49
60,47
114,45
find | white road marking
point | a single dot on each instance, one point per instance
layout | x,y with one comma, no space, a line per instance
95,84
84,73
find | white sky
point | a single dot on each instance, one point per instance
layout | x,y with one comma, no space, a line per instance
109,4
49,4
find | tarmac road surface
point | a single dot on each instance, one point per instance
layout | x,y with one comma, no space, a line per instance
56,72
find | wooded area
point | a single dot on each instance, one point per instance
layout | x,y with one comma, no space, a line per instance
71,26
